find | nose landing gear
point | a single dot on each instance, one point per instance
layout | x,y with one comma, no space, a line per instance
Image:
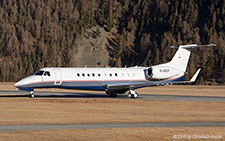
31,94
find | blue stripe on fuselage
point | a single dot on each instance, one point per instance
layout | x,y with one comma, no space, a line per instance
86,85
82,85
178,79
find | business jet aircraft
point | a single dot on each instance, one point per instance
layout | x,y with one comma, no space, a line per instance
113,80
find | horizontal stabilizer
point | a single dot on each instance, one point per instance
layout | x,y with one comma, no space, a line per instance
193,45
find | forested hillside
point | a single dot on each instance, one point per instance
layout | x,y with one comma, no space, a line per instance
74,33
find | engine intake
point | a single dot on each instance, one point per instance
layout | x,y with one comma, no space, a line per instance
149,73
161,73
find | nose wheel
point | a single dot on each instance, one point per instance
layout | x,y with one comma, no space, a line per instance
31,94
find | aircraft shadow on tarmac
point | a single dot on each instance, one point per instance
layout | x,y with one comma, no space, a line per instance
14,94
71,95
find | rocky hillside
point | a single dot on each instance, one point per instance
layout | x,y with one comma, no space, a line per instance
75,33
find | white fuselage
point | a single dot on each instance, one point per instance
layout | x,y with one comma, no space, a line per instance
93,78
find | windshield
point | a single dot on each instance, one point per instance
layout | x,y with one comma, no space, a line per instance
39,73
47,73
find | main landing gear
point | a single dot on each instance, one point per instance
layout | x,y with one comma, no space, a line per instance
31,94
111,94
133,94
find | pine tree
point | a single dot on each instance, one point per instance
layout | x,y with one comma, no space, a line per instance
223,77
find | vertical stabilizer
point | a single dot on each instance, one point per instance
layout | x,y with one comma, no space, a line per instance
181,58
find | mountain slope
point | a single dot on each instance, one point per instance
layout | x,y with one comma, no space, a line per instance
74,33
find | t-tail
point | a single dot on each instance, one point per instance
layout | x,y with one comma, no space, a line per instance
181,58
174,70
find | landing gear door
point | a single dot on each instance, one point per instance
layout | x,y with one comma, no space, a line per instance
58,77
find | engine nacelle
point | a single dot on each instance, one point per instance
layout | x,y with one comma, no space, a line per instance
149,73
161,72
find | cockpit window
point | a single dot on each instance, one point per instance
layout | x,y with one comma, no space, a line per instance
39,73
47,73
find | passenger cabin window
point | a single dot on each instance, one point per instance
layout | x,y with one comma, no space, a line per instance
78,74
39,73
47,73
116,74
99,74
93,74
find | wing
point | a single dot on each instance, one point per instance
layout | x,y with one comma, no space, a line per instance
149,83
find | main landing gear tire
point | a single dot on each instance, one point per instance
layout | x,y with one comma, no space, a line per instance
31,94
133,95
111,94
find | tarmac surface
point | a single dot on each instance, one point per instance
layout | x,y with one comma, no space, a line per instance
41,94
7,128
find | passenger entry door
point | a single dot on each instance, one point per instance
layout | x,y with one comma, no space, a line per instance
58,77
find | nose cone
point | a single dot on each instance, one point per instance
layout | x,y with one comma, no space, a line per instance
23,85
17,84
23,82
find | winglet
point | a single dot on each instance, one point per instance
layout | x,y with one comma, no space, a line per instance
195,76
